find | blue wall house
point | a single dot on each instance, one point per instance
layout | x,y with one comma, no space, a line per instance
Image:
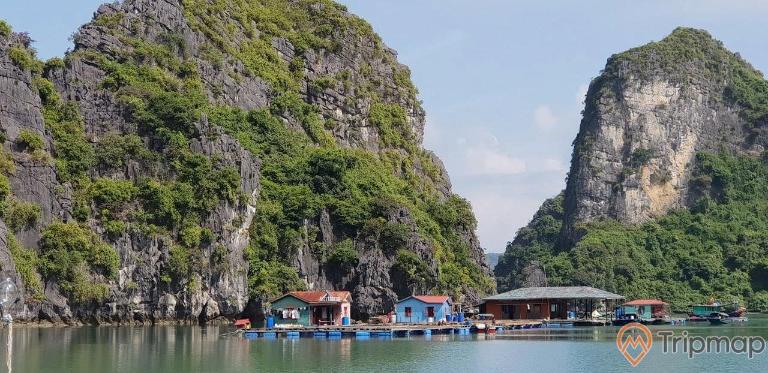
312,308
419,309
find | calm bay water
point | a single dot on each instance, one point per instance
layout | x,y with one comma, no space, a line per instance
203,349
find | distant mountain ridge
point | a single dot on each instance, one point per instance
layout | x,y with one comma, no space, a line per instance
492,259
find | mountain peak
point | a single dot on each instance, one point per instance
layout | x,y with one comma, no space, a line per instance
683,55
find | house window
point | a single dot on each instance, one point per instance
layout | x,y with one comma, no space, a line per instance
407,311
553,307
430,311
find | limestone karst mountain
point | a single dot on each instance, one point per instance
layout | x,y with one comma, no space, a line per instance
666,192
191,159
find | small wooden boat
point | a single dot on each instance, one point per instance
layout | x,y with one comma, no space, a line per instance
734,309
720,318
697,318
621,322
654,321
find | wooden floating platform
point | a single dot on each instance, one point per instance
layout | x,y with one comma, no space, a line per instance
358,331
570,323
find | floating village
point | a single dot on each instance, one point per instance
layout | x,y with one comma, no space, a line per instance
327,314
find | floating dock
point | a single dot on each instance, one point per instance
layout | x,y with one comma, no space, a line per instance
367,331
358,331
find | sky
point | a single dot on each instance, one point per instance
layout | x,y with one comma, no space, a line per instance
502,81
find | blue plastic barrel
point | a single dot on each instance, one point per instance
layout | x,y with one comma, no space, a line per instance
449,317
461,316
270,322
345,321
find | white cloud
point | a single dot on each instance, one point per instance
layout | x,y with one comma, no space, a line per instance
500,215
489,161
544,118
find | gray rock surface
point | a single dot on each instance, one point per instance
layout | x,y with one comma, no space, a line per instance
139,295
640,133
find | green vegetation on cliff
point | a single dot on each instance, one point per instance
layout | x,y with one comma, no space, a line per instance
304,171
717,249
686,50
300,179
5,29
73,255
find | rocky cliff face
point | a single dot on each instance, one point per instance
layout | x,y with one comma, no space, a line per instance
136,294
156,131
646,117
670,151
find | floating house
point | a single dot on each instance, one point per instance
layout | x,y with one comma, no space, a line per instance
646,311
419,309
646,308
703,311
550,303
309,308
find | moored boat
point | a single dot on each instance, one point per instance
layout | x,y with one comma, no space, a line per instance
734,309
703,312
720,318
717,313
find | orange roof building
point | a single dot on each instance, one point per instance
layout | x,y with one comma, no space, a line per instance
645,302
321,297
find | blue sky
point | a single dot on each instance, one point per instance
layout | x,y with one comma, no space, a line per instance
502,81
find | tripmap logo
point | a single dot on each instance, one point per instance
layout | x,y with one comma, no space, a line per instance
634,341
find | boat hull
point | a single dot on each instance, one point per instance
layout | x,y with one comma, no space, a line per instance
726,320
697,319
622,322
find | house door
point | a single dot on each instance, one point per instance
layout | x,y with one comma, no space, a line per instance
322,315
507,312
535,311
